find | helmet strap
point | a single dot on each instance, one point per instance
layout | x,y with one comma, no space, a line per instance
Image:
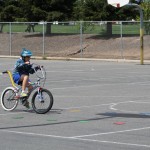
23,58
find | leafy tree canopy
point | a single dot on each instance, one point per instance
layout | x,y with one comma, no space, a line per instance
36,10
64,10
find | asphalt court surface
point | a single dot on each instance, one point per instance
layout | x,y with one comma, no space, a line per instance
97,105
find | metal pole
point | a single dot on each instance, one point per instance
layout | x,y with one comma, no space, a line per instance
141,36
121,40
43,40
81,39
141,32
10,40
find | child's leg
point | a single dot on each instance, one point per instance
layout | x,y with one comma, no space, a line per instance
30,87
24,79
25,83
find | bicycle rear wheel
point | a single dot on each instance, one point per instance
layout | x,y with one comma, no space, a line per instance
44,103
8,100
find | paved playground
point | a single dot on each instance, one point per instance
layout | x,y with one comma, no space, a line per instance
97,106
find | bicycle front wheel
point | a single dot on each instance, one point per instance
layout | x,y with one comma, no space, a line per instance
44,103
8,100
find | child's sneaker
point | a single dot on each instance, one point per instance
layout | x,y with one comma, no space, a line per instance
23,94
26,104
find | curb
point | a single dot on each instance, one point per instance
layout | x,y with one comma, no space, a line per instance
77,59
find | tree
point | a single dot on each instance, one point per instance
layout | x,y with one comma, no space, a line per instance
36,10
2,5
89,10
48,10
145,4
64,10
78,10
97,10
94,10
8,12
100,10
146,9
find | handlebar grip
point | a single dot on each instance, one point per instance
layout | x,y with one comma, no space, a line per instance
4,72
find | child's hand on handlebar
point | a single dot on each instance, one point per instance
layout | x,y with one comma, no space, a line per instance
27,62
38,68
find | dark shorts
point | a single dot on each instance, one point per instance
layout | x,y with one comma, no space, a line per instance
16,78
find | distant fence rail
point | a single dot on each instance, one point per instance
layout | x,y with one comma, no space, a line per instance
99,39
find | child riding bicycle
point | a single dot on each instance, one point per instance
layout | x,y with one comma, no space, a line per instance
21,73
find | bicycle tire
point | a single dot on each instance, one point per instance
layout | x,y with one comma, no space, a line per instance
38,105
7,99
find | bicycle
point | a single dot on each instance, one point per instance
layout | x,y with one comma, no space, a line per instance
42,99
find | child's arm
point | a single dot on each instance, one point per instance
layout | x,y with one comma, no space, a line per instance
23,66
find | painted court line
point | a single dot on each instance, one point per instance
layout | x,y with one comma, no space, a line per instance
103,96
34,134
68,108
108,133
13,113
112,107
87,106
97,85
111,142
109,104
74,138
80,107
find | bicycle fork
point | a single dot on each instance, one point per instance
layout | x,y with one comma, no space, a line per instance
39,95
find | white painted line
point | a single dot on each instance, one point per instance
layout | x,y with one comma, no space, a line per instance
94,85
80,107
67,71
101,79
74,138
113,96
108,133
60,108
112,107
34,134
12,113
140,102
87,106
111,142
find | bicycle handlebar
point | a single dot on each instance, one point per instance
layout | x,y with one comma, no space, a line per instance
41,68
43,72
5,72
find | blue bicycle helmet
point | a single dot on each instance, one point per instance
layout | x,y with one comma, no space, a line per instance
26,52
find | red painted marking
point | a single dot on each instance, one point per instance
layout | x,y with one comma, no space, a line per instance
119,123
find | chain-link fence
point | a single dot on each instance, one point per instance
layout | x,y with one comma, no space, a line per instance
103,39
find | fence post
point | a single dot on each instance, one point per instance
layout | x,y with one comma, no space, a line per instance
10,40
121,40
81,39
141,31
43,40
141,36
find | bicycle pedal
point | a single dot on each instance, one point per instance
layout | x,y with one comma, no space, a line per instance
27,105
23,101
23,98
17,97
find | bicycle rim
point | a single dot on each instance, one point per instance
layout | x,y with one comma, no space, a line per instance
7,99
42,106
